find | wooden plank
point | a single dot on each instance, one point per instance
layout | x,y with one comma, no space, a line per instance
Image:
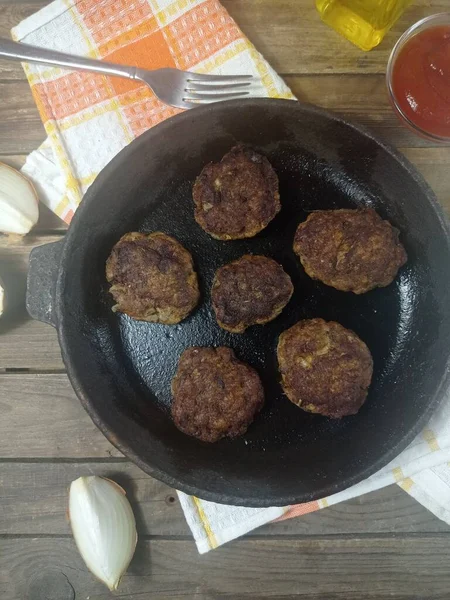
28,344
296,42
21,129
51,421
329,568
361,99
33,498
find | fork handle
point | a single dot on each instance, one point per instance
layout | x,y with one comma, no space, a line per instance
26,53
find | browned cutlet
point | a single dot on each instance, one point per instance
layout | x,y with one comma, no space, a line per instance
350,250
237,197
252,290
325,368
215,395
152,278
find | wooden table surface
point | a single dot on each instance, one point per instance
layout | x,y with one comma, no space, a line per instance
383,545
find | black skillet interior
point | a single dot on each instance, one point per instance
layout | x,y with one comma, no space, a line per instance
122,368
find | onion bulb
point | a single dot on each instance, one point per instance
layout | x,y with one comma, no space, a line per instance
19,209
103,526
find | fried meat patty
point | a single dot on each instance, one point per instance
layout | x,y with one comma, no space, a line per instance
152,278
325,368
248,291
237,197
214,394
350,250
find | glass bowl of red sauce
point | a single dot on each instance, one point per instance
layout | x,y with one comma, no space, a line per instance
418,77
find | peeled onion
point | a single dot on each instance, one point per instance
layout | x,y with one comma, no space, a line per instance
103,526
19,210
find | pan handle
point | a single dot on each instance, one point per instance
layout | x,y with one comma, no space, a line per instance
41,281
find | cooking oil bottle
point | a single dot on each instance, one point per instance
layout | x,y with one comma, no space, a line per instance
363,22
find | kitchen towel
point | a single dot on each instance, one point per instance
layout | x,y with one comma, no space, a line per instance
89,118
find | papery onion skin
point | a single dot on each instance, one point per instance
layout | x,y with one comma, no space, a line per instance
19,203
103,526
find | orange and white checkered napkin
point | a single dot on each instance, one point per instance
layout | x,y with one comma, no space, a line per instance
89,118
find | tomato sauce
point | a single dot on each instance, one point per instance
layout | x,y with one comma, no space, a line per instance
421,80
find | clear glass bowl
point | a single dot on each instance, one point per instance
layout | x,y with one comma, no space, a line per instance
422,25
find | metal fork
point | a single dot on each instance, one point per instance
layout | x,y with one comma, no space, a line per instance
172,86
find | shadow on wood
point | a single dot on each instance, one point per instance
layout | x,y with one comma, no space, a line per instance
15,283
141,560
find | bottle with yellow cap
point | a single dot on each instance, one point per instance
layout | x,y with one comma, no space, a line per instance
363,22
